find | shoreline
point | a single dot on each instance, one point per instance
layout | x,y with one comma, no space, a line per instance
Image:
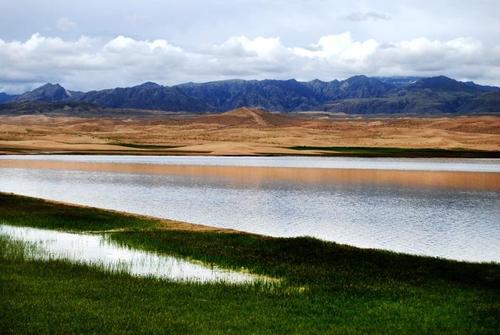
166,225
324,287
302,151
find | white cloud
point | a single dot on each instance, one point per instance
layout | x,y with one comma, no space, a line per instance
366,16
65,24
340,48
260,47
89,63
126,44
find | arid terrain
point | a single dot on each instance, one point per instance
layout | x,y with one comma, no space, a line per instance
241,132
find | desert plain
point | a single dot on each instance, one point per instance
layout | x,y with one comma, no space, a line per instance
243,131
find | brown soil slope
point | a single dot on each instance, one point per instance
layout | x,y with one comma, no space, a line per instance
247,117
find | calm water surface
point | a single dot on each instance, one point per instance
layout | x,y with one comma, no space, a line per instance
438,164
439,207
43,244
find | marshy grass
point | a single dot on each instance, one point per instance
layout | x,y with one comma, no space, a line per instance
325,287
98,250
399,152
144,146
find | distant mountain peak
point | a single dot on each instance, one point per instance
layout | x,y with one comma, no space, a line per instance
148,84
148,95
357,77
442,83
48,92
4,97
355,95
438,80
49,86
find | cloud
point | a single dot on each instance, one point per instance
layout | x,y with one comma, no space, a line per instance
340,48
259,47
367,16
91,63
65,24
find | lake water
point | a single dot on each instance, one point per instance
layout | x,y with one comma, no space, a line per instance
438,207
43,244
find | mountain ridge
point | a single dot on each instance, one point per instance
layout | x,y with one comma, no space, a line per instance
355,95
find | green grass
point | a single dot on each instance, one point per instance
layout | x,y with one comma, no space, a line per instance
342,290
400,152
32,212
144,146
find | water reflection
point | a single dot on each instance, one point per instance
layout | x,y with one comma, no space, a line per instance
408,164
101,251
260,175
438,213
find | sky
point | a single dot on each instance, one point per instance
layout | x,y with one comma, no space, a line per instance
96,44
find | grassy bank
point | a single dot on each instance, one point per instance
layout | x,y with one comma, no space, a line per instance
326,288
399,152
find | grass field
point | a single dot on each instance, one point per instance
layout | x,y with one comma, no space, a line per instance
325,287
399,152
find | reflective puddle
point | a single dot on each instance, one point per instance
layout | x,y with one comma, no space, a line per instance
99,250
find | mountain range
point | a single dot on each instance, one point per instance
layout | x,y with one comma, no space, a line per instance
355,95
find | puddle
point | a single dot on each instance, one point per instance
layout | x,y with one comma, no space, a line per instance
101,251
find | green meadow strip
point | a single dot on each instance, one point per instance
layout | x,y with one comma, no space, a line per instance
399,152
324,288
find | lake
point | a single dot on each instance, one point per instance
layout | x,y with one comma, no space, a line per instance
438,207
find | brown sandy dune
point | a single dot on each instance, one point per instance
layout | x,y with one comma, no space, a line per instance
248,117
240,132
